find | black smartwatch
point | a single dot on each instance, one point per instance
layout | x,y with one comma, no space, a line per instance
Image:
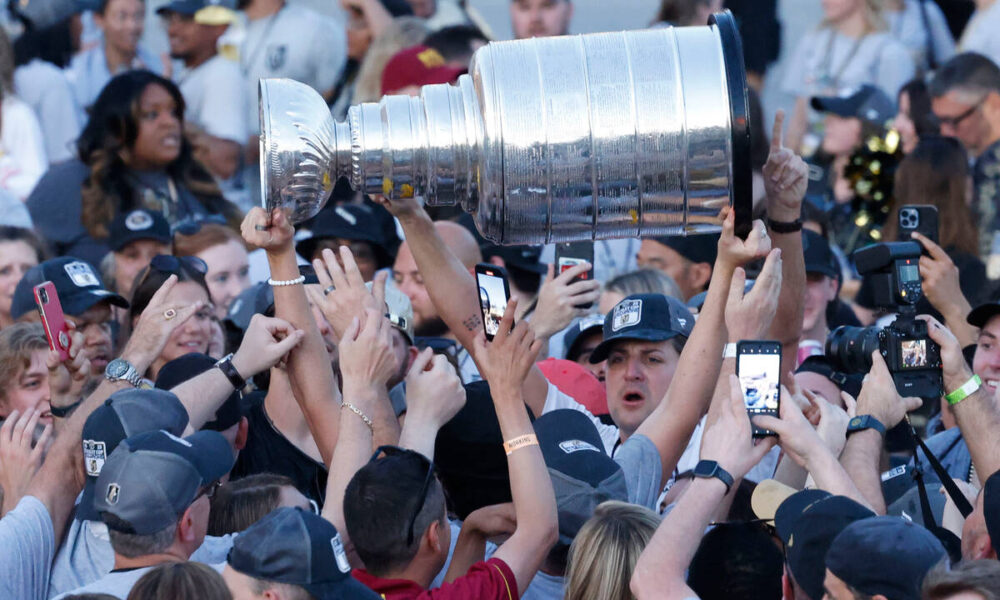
784,226
226,366
708,469
862,422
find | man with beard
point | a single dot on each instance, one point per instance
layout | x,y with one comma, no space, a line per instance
211,83
426,320
540,18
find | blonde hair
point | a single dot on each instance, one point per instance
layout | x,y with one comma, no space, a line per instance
404,32
17,345
874,16
604,553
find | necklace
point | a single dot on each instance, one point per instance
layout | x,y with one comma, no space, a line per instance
265,34
830,80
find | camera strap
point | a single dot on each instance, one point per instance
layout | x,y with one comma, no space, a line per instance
956,495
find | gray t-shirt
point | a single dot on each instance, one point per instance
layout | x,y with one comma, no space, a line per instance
86,556
827,63
117,584
28,541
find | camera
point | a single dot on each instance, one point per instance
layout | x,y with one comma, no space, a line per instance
912,357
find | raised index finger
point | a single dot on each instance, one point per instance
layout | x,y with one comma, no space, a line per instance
777,131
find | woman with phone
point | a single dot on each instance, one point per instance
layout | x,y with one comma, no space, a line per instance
132,154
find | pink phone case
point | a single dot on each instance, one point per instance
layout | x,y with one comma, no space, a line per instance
56,330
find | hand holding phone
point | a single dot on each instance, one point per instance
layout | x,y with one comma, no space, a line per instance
920,218
571,254
494,293
53,319
758,365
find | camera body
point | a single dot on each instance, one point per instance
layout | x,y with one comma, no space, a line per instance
912,357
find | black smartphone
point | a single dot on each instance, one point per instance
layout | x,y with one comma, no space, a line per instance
494,292
922,218
569,255
758,365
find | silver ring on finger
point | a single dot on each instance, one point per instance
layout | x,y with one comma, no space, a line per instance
327,290
169,314
260,227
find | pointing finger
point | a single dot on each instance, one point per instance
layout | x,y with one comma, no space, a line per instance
777,131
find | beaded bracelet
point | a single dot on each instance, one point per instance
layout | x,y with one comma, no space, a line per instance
296,281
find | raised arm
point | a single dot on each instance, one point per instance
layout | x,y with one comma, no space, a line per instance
366,363
309,368
453,288
671,424
506,362
661,569
978,415
940,282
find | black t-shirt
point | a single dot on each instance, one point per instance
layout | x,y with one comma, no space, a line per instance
267,451
971,279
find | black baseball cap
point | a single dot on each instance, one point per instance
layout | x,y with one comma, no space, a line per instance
649,317
577,329
124,414
152,478
296,547
187,367
808,526
884,555
866,102
78,286
819,258
697,248
139,224
982,314
526,258
583,476
355,222
821,365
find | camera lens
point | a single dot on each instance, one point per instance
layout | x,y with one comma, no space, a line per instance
43,295
850,348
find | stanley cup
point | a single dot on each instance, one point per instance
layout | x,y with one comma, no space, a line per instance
609,135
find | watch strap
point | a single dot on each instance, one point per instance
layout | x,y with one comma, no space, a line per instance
229,370
862,422
708,469
784,226
64,411
130,376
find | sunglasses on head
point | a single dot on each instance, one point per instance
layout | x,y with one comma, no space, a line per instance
397,451
173,265
193,225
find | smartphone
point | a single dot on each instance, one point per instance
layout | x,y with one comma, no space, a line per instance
922,218
53,319
494,292
758,366
569,255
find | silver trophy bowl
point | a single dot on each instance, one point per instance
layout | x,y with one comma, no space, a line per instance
609,135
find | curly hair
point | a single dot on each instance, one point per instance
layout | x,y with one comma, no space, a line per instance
107,141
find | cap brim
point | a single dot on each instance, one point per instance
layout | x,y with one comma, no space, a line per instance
215,456
79,303
602,350
348,588
215,15
768,496
789,511
981,315
832,104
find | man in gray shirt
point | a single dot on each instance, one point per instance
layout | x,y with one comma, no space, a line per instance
153,493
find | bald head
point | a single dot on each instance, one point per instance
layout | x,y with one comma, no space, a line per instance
461,243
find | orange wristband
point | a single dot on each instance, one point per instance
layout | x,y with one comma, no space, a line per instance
520,442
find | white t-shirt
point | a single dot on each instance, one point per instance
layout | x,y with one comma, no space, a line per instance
22,148
44,87
211,91
909,27
827,63
296,42
28,542
981,33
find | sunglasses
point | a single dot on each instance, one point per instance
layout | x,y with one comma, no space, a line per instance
208,491
193,225
173,265
954,121
397,451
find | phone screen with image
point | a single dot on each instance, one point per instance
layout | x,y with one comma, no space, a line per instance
494,292
758,365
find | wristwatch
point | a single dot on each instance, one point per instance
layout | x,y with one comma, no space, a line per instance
225,365
784,226
708,469
862,422
120,369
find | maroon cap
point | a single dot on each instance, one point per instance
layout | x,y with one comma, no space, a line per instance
419,66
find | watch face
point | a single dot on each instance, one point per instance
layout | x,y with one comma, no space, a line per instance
705,468
117,368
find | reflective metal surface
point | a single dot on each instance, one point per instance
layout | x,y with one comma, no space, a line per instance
554,139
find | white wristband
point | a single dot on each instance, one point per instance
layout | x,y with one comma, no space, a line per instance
729,351
296,281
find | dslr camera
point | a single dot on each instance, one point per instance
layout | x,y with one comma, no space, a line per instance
912,357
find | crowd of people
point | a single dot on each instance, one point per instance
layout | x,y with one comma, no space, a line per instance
241,407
